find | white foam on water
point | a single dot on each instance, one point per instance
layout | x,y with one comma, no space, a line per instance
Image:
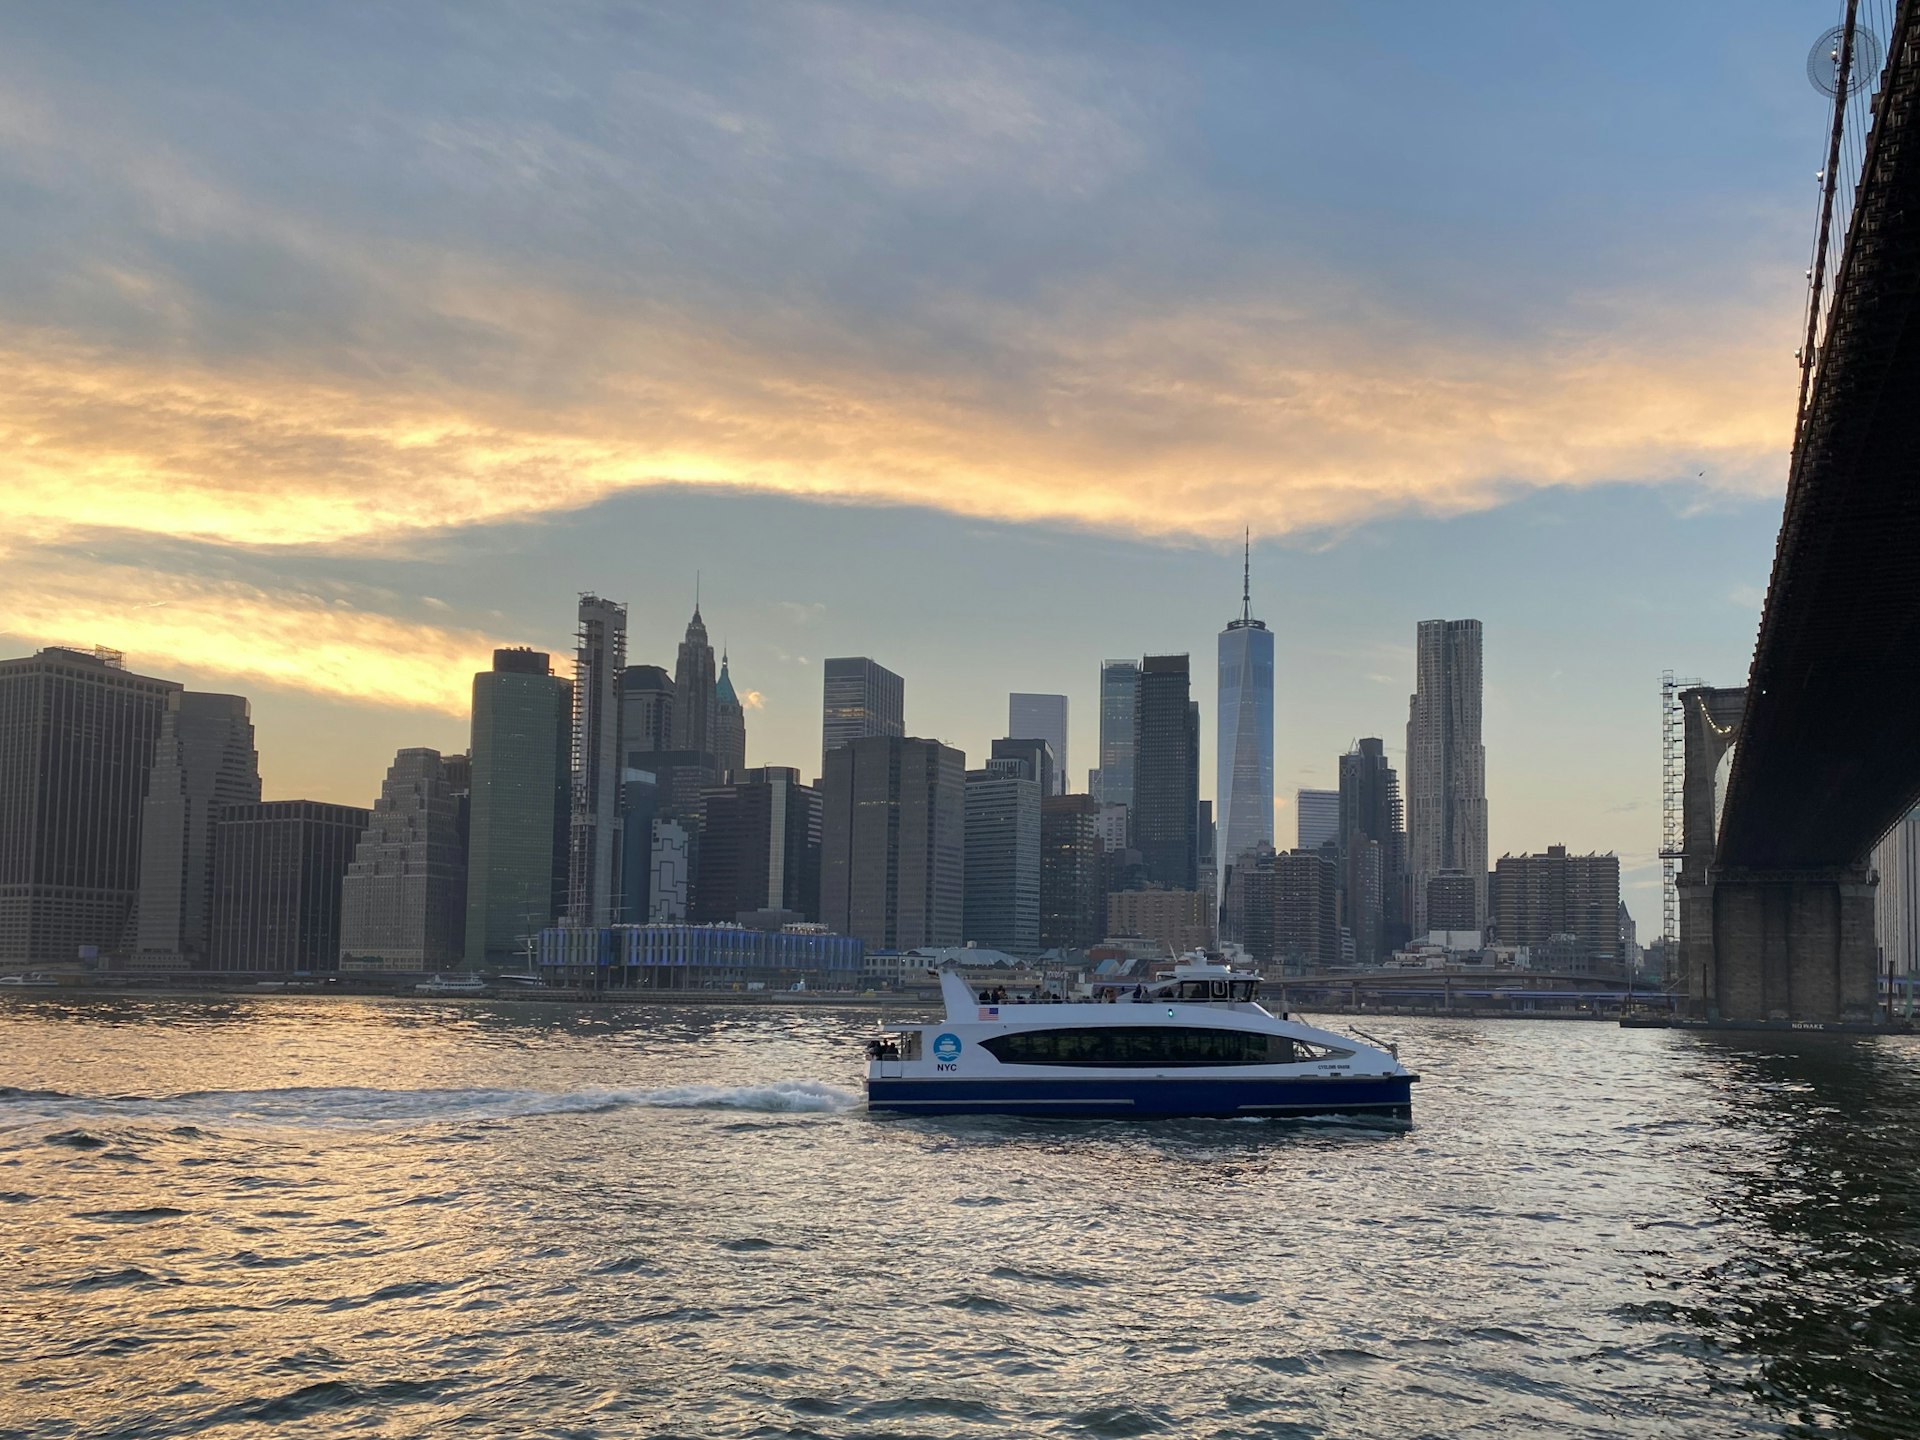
349,1105
791,1096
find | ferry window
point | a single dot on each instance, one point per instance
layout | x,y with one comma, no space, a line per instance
1319,1052
1214,990
1141,1047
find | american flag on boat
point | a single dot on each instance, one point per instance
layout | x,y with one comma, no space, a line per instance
989,1012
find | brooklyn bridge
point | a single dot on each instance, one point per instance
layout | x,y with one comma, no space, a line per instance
1791,782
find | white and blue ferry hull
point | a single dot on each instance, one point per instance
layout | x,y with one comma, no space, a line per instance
1147,1097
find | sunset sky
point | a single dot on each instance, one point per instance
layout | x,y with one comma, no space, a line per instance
343,343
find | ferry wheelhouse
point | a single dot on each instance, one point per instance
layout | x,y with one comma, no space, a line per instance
1198,1043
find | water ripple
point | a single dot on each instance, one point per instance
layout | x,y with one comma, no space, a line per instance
542,1220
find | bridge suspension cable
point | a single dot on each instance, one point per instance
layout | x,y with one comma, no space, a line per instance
1847,63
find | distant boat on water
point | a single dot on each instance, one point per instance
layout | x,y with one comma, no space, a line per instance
33,979
452,985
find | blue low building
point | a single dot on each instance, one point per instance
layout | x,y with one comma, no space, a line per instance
701,957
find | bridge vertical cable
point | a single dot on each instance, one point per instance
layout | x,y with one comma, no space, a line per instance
1869,33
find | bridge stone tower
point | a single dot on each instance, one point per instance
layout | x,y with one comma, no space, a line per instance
1773,945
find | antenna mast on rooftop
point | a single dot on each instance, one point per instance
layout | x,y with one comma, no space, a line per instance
1246,575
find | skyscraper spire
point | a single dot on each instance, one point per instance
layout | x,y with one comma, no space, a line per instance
1244,620
1246,576
696,594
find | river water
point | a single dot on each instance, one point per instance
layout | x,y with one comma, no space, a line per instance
324,1217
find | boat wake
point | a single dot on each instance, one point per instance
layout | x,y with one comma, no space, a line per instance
350,1106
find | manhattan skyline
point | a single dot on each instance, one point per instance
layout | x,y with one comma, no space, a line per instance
328,446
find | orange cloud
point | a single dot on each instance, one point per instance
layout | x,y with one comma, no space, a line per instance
1182,426
237,634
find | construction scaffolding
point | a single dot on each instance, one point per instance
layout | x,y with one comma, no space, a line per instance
1673,779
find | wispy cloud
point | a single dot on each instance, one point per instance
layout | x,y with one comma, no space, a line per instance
1176,425
232,633
801,612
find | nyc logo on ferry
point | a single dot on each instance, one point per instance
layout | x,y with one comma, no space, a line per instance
946,1050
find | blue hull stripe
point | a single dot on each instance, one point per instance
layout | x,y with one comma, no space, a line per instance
1143,1097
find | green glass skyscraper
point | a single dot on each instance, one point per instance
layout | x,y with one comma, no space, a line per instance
517,837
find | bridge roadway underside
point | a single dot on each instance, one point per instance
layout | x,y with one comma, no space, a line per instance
1829,752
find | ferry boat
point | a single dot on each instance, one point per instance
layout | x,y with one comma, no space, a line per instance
33,979
452,985
1196,1044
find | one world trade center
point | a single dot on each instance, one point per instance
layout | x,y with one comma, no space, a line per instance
1244,792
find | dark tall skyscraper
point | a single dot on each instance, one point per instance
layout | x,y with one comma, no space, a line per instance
1373,842
517,828
403,903
860,699
760,847
1003,856
1447,766
277,872
1119,694
695,697
682,777
1072,898
646,709
1166,775
600,657
77,738
1206,839
204,761
1202,810
639,810
893,842
1044,716
729,725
